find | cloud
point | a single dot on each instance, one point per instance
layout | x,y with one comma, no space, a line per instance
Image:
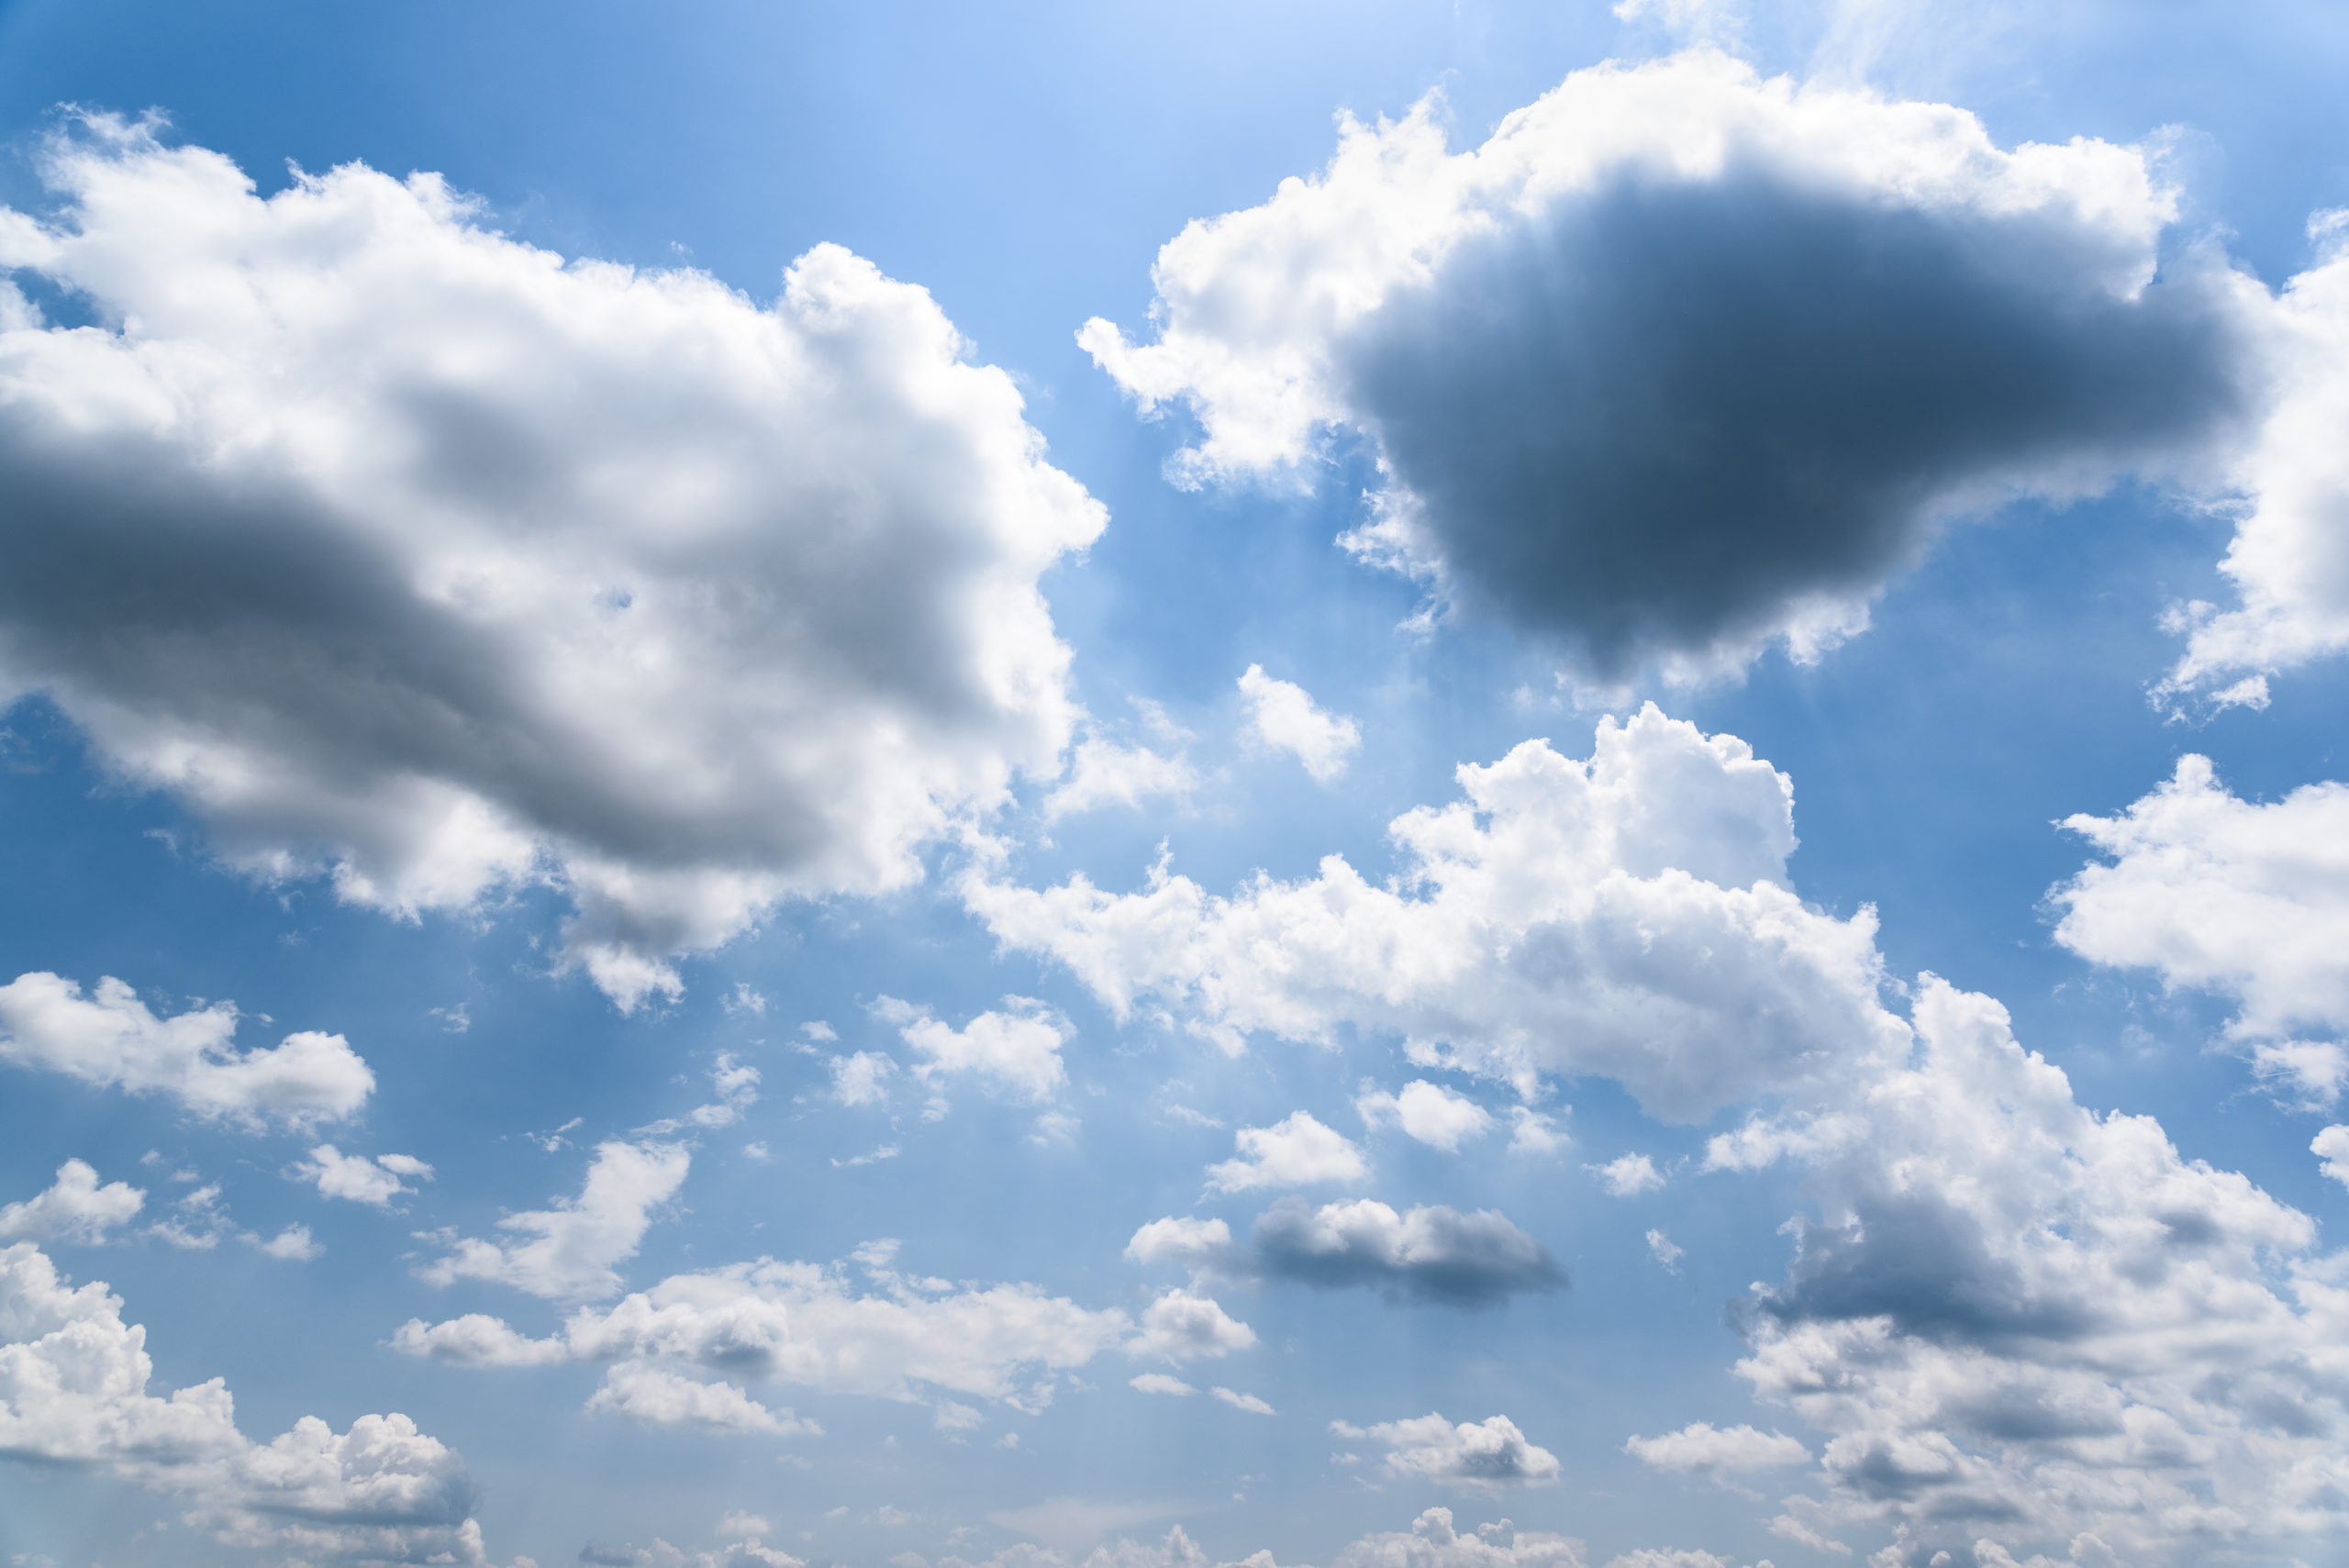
1701,1449
1682,361
1181,1326
1194,1243
1665,1251
1159,1383
804,1324
2289,559
1016,1051
360,1179
2219,894
861,1079
1628,1175
1432,1253
1432,1542
1479,1456
1434,1114
74,1391
1626,916
659,1397
2332,1149
110,1038
295,1244
74,1208
1247,1402
1104,774
1282,715
1294,1152
405,553
576,1247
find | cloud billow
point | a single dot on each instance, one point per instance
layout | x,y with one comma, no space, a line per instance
1434,1253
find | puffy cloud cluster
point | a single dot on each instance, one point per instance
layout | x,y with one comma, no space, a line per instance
575,1248
1284,715
1429,1113
405,552
1625,917
110,1039
2019,1320
1481,1456
358,1178
1680,360
1296,1151
2248,900
1016,1051
73,1390
1433,1542
73,1207
1702,1448
681,1351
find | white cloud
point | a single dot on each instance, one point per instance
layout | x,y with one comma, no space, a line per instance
295,1244
2332,1149
1628,1175
2217,893
1018,1049
1626,916
1435,1116
1665,1251
1197,1245
1534,1133
861,1079
111,1040
1294,1152
1247,1402
1104,774
1282,715
74,1208
1855,298
360,1179
742,1524
74,1391
1181,1326
1701,1449
1432,1253
1480,1456
1160,1383
1432,1542
405,552
575,1248
2289,560
803,1324
659,1398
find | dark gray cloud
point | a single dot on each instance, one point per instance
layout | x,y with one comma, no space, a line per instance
1660,421
1432,1254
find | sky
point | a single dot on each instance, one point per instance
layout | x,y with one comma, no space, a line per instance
1390,785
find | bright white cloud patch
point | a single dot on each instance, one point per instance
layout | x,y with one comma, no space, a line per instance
1705,1450
1628,1175
659,1397
2248,900
2332,1149
861,1079
1016,1051
1627,916
1681,361
358,1178
110,1039
1240,1401
573,1250
1481,1456
405,552
1103,774
1160,1383
74,1391
1182,1326
73,1208
1282,715
1431,1113
1296,1151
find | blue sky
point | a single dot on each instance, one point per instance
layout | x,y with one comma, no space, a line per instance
1452,787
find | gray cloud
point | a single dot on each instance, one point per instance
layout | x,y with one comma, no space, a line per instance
1432,1254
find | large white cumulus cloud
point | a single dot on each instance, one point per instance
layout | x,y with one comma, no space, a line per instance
73,1390
1681,359
1626,916
404,552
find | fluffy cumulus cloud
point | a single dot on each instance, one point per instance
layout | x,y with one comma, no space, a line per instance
74,1207
1702,1448
1628,1175
572,1252
360,1178
404,553
2289,560
1016,1051
1432,1253
2221,894
74,1391
1681,359
1481,1456
1435,1116
2018,1320
1284,715
808,1326
110,1039
1296,1151
1186,1326
1433,1542
1626,916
